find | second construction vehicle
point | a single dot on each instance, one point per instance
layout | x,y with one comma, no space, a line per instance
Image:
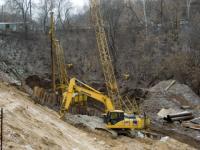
117,120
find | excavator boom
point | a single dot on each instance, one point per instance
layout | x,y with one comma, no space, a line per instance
85,90
114,119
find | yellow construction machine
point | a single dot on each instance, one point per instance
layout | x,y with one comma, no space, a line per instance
117,120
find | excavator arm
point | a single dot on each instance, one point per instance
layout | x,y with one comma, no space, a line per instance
82,88
114,119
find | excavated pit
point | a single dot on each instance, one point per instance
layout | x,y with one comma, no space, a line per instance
40,90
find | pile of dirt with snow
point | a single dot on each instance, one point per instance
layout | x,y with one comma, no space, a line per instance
171,95
178,89
177,95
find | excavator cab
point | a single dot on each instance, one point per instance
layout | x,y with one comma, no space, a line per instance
113,117
118,119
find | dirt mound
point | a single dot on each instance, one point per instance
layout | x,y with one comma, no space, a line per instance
172,95
164,95
30,126
183,93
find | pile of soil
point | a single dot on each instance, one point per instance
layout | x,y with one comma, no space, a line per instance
175,97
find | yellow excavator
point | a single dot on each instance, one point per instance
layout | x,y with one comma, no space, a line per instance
117,120
75,91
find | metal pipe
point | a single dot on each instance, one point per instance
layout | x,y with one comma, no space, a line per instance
181,118
52,54
1,128
179,115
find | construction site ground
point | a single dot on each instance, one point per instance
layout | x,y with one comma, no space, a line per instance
30,126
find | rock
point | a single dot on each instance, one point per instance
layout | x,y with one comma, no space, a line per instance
140,135
164,139
9,79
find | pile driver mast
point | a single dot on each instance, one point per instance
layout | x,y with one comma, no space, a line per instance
52,36
105,57
58,59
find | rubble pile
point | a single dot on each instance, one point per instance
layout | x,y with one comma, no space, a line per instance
177,96
172,106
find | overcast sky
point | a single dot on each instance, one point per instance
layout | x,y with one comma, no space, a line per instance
1,2
77,4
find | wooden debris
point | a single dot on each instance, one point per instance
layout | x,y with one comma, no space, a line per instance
191,125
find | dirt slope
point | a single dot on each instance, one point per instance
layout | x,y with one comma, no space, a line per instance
32,127
28,126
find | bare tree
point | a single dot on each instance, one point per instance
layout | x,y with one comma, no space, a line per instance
64,7
21,6
44,10
112,11
130,6
188,8
145,16
30,8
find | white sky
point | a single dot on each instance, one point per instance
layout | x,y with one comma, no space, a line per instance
1,2
77,4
